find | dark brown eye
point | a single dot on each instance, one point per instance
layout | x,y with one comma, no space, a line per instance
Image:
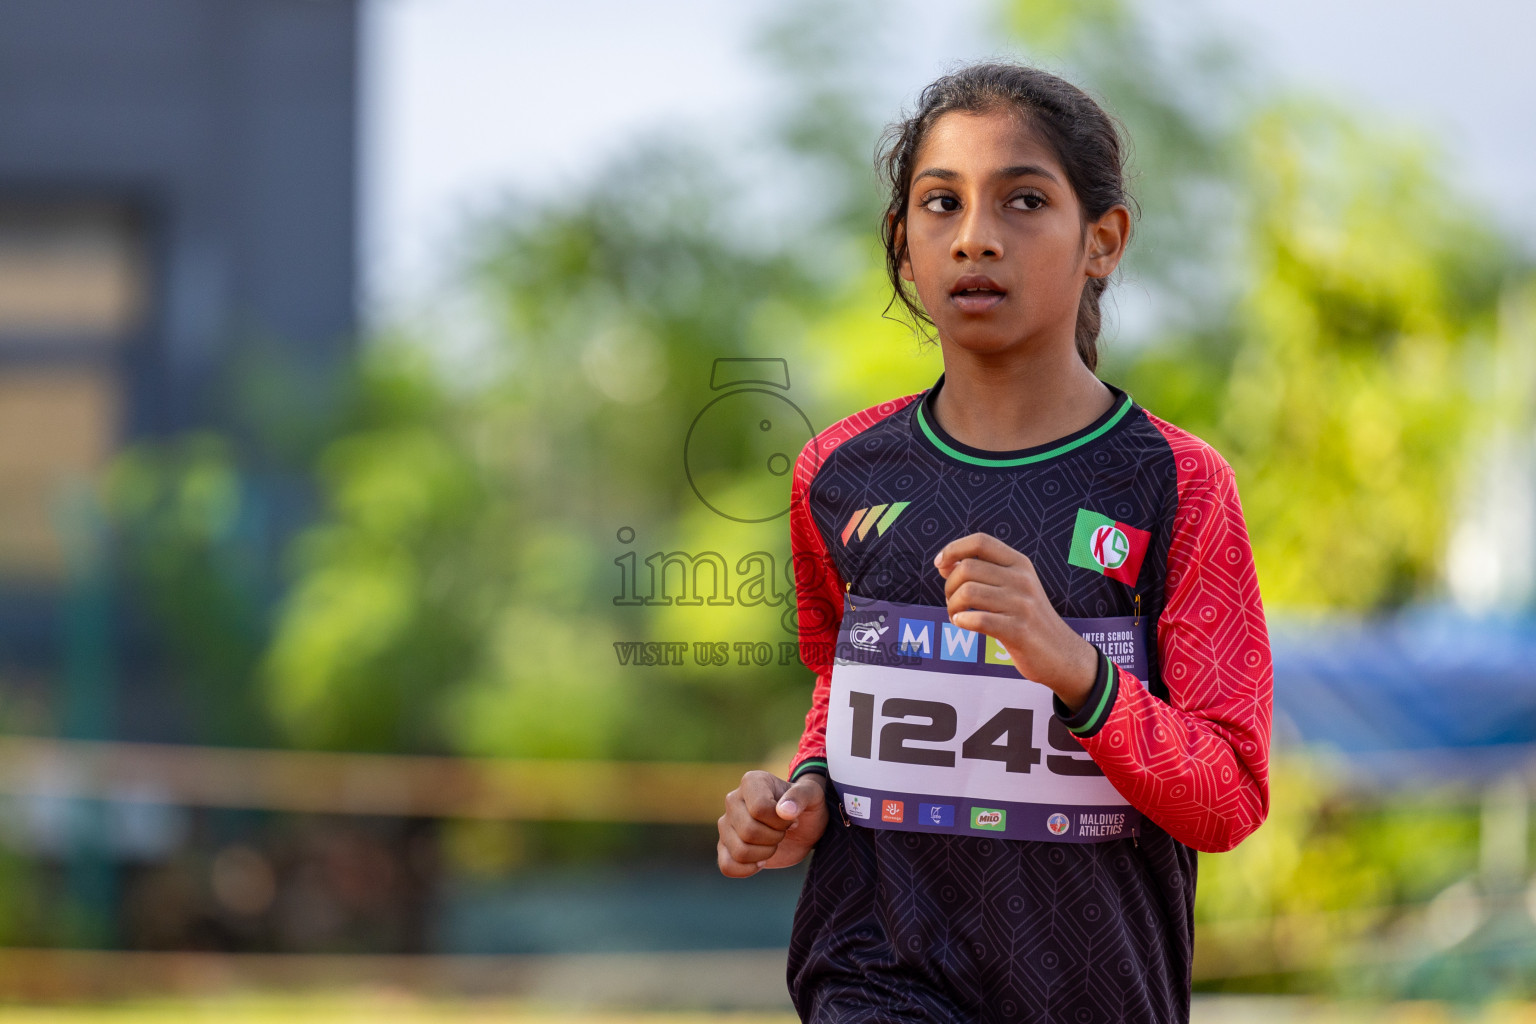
928,203
1031,200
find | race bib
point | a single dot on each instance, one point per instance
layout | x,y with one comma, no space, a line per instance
931,728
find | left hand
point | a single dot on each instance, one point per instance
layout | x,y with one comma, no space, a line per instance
991,588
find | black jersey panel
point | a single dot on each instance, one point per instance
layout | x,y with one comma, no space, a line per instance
897,925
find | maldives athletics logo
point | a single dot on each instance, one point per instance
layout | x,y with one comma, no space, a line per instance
1107,547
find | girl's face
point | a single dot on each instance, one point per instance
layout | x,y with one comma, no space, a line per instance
991,209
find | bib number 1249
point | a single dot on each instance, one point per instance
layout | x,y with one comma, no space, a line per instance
1007,736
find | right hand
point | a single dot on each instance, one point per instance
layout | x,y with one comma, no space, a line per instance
769,823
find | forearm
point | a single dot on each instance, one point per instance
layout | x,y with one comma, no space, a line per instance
811,755
1203,780
1075,670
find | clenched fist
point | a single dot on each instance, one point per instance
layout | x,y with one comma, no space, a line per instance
991,588
769,823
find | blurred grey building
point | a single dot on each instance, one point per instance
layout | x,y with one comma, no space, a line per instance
177,185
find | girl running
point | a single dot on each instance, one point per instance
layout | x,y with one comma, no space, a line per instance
1043,675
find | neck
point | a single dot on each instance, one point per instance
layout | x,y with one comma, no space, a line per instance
1008,401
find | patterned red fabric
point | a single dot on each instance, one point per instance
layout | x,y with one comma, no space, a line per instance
818,586
1198,764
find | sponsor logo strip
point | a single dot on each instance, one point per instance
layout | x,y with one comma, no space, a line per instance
1053,823
922,637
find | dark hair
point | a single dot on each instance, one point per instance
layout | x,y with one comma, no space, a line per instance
1085,139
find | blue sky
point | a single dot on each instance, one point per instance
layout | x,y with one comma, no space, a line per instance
463,98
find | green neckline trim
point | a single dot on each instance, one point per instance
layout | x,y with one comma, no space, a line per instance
1109,689
1023,460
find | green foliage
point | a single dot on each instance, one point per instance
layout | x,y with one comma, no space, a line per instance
458,592
1326,306
1349,402
26,917
1051,25
190,539
1324,851
376,620
1321,305
1343,387
1367,895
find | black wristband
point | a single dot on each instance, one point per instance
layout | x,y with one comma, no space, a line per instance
1090,718
813,765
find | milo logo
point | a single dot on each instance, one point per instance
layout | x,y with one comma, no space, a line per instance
989,818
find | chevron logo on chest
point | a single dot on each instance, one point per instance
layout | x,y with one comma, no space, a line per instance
876,517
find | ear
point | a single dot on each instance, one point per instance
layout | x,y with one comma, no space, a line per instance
1107,239
900,241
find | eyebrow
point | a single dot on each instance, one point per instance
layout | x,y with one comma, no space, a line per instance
1017,171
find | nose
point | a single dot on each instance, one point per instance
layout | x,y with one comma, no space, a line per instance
977,234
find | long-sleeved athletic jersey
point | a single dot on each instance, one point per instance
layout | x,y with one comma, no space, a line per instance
904,925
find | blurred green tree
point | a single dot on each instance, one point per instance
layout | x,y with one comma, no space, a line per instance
188,542
1319,304
459,592
1345,386
1325,303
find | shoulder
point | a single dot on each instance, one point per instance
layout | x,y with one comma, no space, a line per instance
1197,463
819,448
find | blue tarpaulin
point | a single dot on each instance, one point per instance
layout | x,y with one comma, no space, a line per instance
1428,685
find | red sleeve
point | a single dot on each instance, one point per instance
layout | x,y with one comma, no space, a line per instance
819,587
1198,764
819,600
